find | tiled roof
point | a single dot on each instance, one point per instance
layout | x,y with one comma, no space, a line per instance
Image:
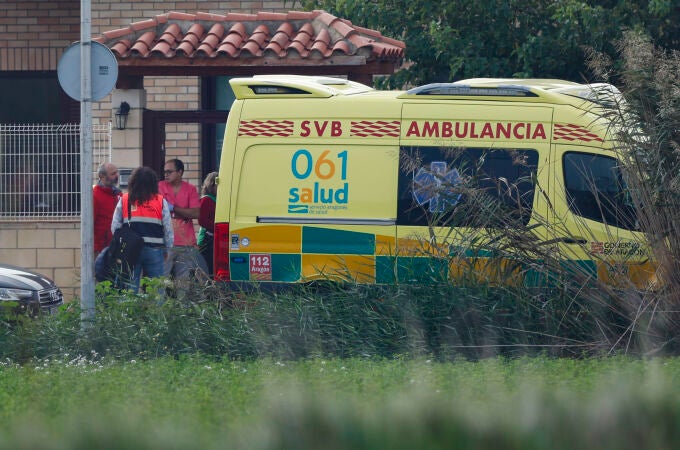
305,37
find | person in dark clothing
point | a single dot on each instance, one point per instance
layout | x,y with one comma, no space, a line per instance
207,219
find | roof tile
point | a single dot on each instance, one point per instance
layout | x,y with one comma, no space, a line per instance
209,45
240,29
232,41
307,28
197,30
342,28
114,34
326,19
251,47
286,28
281,38
121,48
162,48
360,41
299,34
217,30
210,17
238,17
320,46
341,48
139,26
143,44
372,33
273,49
300,15
270,16
297,49
187,47
174,15
262,28
172,35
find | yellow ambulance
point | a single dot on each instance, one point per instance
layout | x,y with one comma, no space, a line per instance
325,178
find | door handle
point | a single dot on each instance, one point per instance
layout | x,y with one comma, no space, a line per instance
573,240
566,240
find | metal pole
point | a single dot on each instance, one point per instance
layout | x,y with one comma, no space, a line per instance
86,218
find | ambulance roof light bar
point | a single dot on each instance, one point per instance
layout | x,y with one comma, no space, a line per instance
454,89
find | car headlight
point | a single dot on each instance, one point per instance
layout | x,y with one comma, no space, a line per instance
14,294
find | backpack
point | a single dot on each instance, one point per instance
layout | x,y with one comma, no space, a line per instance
122,255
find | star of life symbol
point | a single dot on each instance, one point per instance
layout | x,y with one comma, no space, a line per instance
435,186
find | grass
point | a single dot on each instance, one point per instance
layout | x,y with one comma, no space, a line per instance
445,321
195,402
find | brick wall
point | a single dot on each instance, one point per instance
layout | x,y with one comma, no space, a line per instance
34,34
108,14
181,140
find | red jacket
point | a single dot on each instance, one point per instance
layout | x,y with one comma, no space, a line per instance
207,216
104,201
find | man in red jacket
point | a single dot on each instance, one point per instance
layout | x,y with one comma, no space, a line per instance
105,198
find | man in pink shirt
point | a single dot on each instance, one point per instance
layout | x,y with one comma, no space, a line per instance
185,206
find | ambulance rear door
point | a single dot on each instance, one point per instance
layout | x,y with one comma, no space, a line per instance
316,191
315,212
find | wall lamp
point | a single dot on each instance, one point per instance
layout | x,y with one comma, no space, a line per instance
122,115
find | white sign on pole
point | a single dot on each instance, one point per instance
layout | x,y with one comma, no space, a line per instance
103,71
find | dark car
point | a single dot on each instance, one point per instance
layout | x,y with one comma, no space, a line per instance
31,291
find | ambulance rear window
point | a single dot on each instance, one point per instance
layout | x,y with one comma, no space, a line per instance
466,187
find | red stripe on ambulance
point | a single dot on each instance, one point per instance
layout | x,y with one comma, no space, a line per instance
570,132
377,128
266,128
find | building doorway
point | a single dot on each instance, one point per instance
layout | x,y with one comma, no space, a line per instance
203,140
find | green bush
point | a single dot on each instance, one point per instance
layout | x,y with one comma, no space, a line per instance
329,319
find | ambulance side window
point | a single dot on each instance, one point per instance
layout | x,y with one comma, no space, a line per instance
596,190
466,187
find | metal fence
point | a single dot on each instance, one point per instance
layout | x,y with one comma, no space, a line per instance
40,169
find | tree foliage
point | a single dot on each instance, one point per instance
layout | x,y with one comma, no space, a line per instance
516,38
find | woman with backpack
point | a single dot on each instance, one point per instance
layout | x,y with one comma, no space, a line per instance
148,216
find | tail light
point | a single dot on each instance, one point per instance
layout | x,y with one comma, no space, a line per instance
221,248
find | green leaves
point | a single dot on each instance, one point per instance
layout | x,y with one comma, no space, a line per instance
518,38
